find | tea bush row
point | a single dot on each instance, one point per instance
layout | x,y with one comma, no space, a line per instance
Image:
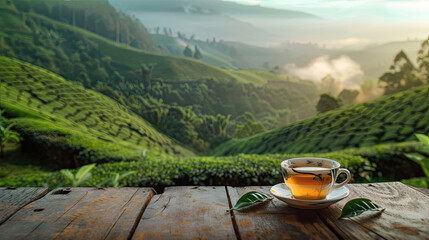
390,119
26,88
240,170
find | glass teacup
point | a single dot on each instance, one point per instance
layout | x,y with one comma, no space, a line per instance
310,178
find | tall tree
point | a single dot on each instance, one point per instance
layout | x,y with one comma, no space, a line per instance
329,84
402,75
348,96
327,102
146,75
423,60
187,52
249,128
197,53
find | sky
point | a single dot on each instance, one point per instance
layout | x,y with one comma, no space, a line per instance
355,22
389,9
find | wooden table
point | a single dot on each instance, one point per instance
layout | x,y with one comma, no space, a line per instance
200,213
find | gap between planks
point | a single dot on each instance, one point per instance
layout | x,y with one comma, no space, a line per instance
234,223
139,216
36,194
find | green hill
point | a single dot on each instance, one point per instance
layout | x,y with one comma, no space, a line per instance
393,118
96,16
124,57
53,113
98,62
169,68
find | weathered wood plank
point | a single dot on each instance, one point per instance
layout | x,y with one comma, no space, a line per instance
422,190
82,213
406,215
187,213
127,223
276,220
13,199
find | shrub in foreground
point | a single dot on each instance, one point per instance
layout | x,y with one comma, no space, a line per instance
240,170
378,163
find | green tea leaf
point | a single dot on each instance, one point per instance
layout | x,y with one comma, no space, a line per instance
423,139
83,171
357,206
414,156
250,198
67,174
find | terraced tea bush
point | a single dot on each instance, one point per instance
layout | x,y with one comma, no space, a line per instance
130,75
390,119
240,170
51,112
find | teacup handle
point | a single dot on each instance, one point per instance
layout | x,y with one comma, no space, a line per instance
349,177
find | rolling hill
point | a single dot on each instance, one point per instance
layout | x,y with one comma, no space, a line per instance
53,113
169,68
373,59
96,61
96,16
393,118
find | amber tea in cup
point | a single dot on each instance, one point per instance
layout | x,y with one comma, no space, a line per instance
312,178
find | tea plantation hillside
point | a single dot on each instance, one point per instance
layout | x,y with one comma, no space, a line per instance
50,111
169,68
96,61
393,118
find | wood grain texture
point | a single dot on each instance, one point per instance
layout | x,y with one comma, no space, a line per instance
276,220
422,190
83,213
406,215
187,213
13,199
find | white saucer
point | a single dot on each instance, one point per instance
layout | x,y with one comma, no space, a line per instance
282,192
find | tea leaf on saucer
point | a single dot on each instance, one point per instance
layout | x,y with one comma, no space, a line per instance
250,198
357,206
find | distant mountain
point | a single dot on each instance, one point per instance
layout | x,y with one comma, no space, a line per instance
374,59
394,118
209,19
205,7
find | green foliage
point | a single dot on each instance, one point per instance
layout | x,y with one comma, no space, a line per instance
114,180
357,206
327,103
421,182
384,120
117,70
80,178
248,129
197,53
187,52
423,60
402,76
348,96
6,133
98,17
250,198
421,157
56,117
240,170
